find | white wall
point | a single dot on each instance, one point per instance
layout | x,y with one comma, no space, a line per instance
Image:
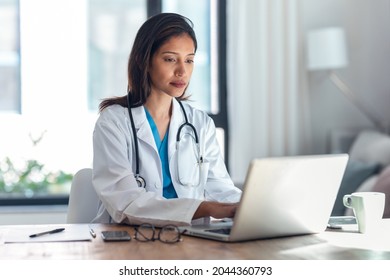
15,215
367,26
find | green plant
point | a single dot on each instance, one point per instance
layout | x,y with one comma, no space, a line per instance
30,178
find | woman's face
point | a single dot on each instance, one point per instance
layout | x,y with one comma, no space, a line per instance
172,66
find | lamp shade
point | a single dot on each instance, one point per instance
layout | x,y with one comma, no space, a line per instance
326,49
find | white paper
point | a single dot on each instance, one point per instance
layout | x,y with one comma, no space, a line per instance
74,232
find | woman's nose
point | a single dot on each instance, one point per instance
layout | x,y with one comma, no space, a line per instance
180,70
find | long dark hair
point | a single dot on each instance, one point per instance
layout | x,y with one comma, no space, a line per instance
150,37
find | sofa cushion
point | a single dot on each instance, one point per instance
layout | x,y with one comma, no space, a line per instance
355,174
371,147
383,185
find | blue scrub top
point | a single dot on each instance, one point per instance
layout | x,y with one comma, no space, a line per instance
162,147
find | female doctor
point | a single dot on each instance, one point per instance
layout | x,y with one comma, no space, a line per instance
156,158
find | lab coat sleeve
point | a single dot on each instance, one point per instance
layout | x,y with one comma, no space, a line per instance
219,186
116,187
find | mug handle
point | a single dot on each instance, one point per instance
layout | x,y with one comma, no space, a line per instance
347,201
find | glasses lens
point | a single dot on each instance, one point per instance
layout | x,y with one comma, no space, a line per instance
169,234
144,232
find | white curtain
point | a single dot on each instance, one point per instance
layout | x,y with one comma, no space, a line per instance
266,103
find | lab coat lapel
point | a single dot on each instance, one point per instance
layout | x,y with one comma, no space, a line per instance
144,133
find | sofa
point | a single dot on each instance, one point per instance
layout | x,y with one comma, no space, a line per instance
368,170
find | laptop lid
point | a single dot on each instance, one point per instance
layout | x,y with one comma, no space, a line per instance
284,196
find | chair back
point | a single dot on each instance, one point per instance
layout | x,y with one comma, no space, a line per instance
83,200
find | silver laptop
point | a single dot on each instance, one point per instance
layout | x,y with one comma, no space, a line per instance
282,196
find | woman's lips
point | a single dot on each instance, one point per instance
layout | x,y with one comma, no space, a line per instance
179,84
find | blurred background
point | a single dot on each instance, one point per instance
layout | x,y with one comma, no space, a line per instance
279,78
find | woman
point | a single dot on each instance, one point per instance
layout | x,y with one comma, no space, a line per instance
177,182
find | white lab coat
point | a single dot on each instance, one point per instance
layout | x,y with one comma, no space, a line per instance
122,201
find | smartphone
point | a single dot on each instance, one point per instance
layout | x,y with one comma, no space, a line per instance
116,235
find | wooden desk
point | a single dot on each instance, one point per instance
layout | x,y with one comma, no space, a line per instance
326,245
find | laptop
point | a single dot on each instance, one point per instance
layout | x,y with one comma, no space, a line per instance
282,196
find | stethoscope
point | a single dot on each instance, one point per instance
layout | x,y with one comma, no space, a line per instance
139,179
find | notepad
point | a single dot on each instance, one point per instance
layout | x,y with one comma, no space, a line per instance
79,232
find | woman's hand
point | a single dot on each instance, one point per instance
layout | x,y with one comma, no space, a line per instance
216,210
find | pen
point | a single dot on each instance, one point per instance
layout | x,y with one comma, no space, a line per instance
92,232
47,232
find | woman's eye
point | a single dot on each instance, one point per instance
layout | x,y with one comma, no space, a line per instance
169,59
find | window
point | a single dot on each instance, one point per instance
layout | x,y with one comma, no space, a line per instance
112,28
73,54
9,56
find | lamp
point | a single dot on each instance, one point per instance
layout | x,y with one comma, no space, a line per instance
327,50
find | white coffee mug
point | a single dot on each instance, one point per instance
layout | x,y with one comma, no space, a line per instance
368,208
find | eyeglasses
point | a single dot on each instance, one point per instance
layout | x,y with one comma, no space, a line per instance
167,234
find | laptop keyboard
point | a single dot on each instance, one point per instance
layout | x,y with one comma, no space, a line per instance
220,230
342,220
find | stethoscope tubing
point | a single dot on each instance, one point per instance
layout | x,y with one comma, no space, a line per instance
140,180
134,135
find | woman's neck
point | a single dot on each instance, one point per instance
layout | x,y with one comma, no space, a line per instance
161,110
159,107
